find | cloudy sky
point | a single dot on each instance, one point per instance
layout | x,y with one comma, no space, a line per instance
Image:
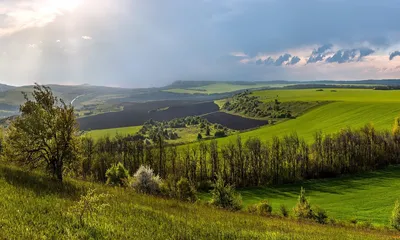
141,43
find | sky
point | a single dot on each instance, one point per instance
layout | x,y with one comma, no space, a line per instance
151,43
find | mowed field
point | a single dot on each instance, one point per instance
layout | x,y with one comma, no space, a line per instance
367,197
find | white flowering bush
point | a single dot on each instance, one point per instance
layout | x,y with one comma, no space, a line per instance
145,181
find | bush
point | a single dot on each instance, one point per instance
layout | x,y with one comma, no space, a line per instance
117,175
199,137
220,133
320,215
284,210
225,196
185,191
264,208
145,181
303,208
395,218
88,205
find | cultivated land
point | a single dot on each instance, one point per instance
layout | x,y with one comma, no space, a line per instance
367,197
35,207
222,88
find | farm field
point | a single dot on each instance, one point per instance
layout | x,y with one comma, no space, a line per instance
222,88
233,121
364,197
348,108
112,132
330,118
34,206
340,94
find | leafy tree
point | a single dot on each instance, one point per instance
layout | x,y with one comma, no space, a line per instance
225,196
117,175
208,130
45,134
303,207
395,218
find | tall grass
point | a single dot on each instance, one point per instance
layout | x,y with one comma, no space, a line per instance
34,207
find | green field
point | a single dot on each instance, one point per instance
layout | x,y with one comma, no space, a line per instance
350,108
364,197
35,207
341,94
222,88
112,132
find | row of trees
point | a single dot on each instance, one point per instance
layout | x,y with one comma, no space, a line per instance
46,134
251,162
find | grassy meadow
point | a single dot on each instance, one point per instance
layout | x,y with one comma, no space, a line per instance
348,108
35,207
112,132
367,197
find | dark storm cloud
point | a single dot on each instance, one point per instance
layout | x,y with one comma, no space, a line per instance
319,54
393,55
283,58
294,60
349,55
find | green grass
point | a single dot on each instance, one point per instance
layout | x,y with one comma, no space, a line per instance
329,118
341,94
365,197
112,132
34,207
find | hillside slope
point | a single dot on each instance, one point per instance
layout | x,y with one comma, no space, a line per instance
33,207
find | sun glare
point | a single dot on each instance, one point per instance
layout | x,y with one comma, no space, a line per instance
65,4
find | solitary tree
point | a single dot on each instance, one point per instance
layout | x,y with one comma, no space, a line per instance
44,134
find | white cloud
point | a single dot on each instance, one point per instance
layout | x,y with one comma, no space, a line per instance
87,37
238,54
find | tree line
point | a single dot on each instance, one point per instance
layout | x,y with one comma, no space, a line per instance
46,135
252,162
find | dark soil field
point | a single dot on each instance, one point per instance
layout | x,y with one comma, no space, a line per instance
233,121
135,114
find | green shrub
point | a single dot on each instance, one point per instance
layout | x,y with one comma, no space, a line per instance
264,208
185,191
303,208
89,205
284,210
225,196
199,137
395,218
117,175
320,215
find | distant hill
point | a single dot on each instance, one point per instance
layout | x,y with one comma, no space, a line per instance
5,87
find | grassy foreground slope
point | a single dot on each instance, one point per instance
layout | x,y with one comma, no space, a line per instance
33,207
365,197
